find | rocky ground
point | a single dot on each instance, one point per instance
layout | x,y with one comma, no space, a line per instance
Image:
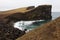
8,32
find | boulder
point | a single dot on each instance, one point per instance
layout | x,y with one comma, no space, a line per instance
8,32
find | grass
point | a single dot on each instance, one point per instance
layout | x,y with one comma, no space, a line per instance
48,31
9,12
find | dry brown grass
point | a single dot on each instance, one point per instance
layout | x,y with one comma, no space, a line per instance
9,12
48,31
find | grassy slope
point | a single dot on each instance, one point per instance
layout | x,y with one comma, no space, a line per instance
48,31
6,13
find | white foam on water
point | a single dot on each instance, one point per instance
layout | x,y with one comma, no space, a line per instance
21,25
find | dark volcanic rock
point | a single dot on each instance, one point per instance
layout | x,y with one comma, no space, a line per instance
8,32
31,7
42,12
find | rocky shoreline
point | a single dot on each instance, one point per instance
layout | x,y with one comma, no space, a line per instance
8,32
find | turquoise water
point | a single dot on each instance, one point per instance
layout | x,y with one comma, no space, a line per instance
36,24
29,25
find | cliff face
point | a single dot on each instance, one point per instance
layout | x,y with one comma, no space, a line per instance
42,12
48,31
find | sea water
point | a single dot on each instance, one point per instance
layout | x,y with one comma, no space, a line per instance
30,25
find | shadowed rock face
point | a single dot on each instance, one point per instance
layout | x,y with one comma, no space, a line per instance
48,31
31,7
42,12
8,32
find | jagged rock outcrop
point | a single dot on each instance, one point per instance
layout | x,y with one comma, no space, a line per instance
8,32
48,31
31,7
42,12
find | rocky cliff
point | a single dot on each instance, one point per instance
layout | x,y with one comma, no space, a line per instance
42,12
